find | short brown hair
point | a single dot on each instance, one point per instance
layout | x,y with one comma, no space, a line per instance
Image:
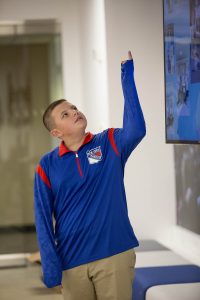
47,118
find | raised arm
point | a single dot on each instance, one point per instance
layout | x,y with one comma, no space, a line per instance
134,128
43,209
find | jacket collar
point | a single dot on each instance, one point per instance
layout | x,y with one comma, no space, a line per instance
63,148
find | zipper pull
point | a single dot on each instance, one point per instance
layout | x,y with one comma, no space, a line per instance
78,164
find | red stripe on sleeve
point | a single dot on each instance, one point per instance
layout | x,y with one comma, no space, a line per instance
43,176
112,140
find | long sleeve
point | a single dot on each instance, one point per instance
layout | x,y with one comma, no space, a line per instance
134,128
43,210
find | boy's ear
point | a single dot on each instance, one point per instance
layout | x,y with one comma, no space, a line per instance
56,133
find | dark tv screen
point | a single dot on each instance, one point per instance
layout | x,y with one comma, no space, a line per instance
181,28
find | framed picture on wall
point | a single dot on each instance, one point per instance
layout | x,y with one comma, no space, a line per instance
181,36
187,175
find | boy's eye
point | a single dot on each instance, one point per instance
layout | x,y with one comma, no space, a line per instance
65,114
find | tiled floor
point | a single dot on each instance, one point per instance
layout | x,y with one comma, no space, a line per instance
25,284
18,242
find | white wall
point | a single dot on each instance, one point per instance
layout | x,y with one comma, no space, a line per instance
94,63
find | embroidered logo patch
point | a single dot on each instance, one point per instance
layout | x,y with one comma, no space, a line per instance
94,155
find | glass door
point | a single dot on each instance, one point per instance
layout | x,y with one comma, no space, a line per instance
30,78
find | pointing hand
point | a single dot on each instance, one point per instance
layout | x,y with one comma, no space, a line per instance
129,57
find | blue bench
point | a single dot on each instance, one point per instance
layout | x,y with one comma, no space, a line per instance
147,277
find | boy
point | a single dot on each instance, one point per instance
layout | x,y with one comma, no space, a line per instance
90,252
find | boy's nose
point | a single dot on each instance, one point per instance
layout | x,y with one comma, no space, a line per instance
75,112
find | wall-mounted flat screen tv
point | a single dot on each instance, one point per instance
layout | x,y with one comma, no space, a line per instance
181,28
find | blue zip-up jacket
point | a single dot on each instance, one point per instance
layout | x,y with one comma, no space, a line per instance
84,192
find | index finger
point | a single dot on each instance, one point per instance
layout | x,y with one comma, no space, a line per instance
130,55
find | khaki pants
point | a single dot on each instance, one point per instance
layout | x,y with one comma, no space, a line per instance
110,278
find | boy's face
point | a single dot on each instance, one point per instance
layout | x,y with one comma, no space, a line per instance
68,120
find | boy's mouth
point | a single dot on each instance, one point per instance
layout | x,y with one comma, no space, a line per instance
79,118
